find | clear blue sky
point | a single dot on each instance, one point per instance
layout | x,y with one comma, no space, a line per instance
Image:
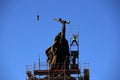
23,38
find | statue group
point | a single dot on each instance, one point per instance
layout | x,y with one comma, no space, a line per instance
58,52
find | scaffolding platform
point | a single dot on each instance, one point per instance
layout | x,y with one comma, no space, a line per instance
45,72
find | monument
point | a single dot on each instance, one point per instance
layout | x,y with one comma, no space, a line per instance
58,53
63,63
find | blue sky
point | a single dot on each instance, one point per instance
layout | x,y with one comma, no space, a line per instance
23,38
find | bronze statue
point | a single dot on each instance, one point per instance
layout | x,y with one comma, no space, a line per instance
58,53
52,52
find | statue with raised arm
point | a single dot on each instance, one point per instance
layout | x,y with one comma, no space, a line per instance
64,47
58,53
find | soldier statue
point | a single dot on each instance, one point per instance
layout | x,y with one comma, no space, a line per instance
58,53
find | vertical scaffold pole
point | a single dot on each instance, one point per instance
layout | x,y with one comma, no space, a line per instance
39,64
70,42
79,48
70,36
78,42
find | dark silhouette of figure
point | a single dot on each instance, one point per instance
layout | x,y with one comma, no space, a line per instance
58,53
74,37
64,47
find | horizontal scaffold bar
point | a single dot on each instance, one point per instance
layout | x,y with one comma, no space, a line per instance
46,72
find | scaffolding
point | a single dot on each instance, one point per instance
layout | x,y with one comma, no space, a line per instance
76,70
36,72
